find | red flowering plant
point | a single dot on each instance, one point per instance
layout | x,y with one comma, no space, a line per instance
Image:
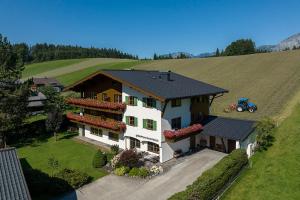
96,104
109,124
169,134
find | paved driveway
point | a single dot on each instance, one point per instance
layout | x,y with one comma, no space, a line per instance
113,187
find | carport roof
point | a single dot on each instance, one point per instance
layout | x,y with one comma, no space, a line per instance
234,129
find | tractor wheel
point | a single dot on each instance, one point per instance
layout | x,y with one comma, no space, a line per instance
251,110
239,109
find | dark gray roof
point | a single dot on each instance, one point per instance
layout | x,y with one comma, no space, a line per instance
234,129
12,181
158,83
46,81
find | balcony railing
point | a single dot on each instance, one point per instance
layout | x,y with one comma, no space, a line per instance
113,125
182,133
97,105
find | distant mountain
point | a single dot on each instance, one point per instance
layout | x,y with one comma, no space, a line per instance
176,54
288,43
205,55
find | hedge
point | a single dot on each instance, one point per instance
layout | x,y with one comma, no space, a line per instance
213,180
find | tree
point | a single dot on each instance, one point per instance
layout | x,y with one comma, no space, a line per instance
55,107
264,130
13,93
155,56
240,47
217,52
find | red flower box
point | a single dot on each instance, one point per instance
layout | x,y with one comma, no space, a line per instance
93,103
108,124
169,134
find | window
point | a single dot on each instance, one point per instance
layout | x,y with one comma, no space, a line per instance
149,124
90,95
132,121
105,97
176,102
131,100
118,98
152,147
96,131
113,136
176,123
134,143
149,102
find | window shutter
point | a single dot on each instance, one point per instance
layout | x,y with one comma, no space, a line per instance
144,123
154,103
127,99
127,120
144,102
135,101
154,125
135,121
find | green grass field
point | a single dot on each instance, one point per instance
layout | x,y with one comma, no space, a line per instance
275,174
69,153
270,80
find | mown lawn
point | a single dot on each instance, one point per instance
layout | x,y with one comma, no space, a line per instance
69,153
69,78
275,174
37,68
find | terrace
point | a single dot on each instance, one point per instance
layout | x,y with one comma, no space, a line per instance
111,125
94,104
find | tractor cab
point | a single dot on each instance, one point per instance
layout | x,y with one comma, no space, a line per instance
244,104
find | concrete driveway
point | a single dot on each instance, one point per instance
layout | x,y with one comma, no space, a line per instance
113,187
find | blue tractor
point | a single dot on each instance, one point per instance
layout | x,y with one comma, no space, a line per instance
244,104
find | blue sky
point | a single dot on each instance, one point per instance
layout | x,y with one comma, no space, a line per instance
143,27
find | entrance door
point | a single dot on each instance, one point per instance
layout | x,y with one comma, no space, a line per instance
212,142
231,145
192,141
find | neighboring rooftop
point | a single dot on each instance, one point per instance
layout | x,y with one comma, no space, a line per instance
46,81
165,85
234,129
12,181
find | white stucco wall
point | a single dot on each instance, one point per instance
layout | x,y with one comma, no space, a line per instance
140,112
168,149
104,137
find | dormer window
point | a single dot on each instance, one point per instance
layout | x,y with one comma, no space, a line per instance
149,102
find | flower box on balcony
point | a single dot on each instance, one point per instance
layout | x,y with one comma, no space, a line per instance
93,103
182,133
107,124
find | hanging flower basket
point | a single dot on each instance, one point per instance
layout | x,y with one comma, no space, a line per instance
169,134
93,103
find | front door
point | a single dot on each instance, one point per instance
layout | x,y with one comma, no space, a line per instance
212,142
231,145
192,141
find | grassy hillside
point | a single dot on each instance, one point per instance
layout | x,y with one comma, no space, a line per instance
268,79
60,67
275,174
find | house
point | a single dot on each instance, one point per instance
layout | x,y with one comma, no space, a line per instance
157,112
36,102
12,181
47,81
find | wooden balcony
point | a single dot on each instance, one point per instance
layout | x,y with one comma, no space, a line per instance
94,104
111,125
175,135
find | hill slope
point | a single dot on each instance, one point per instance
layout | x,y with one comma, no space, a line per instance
268,79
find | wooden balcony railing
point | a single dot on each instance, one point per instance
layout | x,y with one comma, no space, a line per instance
97,105
182,133
116,126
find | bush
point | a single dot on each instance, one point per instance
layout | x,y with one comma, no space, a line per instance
214,179
121,171
129,158
109,157
264,130
74,178
115,161
99,159
139,172
114,149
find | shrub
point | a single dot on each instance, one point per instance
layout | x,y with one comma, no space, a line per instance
115,161
154,170
99,159
139,172
74,178
109,157
214,179
121,171
264,130
114,149
129,158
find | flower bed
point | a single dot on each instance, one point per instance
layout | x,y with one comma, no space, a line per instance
169,134
93,103
109,124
